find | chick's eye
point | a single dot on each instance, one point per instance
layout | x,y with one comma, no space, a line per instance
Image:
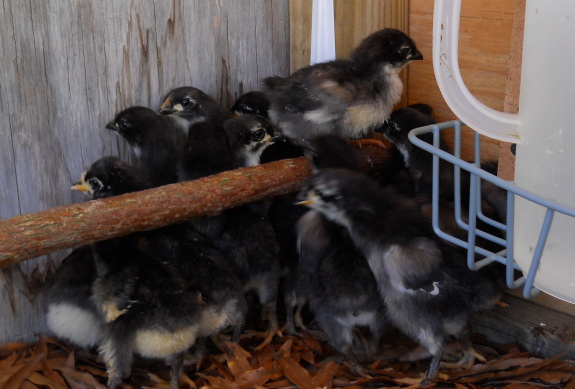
404,52
259,134
94,182
188,102
330,198
123,124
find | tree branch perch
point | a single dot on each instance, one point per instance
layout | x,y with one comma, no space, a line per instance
32,235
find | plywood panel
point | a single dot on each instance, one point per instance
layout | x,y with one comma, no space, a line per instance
68,66
484,47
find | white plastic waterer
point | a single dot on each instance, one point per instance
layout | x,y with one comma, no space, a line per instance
544,129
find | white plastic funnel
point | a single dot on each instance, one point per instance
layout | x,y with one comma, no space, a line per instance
486,121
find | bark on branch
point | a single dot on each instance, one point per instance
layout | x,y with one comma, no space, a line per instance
32,235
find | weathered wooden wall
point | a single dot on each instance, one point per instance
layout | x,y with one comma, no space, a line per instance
68,66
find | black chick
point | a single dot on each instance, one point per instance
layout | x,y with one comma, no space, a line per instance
206,151
254,102
336,281
193,105
418,161
254,140
70,313
110,176
343,97
158,291
244,236
156,140
428,291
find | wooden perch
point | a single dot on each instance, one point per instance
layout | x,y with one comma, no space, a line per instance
32,235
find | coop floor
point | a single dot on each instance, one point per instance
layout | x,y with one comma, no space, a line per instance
286,362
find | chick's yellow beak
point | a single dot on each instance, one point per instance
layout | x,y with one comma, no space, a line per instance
310,198
82,187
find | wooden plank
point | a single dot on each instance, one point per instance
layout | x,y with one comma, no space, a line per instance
68,66
512,90
543,331
300,34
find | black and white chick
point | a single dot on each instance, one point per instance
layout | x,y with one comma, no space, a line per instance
71,314
344,97
255,140
156,140
158,291
254,102
193,105
428,291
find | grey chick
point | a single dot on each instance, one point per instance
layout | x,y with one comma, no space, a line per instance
428,291
348,97
336,281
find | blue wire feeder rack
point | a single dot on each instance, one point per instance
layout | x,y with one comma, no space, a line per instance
505,256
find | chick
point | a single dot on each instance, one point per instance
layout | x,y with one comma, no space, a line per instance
347,98
254,102
428,291
155,139
70,313
244,236
110,176
336,281
254,140
206,151
418,161
193,105
158,291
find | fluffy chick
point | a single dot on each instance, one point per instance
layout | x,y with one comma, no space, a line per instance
193,105
155,139
206,151
158,291
254,140
244,236
254,102
343,97
428,291
336,281
418,161
70,313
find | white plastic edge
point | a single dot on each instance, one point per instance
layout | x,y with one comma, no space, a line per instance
322,32
486,121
